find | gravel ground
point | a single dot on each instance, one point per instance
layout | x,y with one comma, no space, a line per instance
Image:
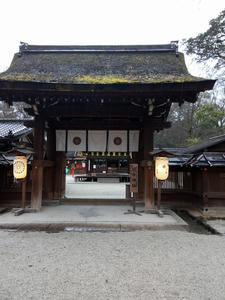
94,190
130,265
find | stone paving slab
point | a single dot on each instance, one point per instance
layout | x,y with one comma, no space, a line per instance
89,215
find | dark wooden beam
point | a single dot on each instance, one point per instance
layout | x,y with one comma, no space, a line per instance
177,91
94,124
103,123
90,110
100,124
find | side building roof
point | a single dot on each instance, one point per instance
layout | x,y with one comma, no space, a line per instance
11,132
13,128
205,145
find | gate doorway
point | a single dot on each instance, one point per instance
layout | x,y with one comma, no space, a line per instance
97,175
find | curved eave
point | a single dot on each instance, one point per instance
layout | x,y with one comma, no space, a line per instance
186,90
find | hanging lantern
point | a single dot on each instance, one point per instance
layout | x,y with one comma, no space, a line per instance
103,153
161,168
114,153
20,167
80,153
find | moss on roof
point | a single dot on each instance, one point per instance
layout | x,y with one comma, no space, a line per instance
102,68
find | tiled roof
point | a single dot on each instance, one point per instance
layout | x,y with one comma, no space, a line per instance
202,159
207,159
12,128
178,161
203,146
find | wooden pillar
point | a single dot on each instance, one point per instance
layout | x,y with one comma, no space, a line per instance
50,171
24,190
149,187
37,184
148,165
59,178
51,144
139,158
205,188
37,165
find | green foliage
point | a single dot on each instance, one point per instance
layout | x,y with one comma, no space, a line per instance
192,123
192,141
210,116
195,122
210,44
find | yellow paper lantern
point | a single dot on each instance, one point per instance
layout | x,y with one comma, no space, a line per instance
20,167
161,168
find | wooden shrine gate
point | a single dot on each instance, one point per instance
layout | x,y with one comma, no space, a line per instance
50,171
96,88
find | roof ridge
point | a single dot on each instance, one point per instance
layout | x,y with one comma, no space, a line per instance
172,47
217,136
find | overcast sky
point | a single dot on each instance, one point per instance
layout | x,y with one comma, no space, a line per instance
87,22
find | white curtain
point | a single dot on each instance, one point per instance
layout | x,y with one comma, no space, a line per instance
134,140
60,140
122,134
79,134
97,140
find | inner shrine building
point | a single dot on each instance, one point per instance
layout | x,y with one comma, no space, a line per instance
97,99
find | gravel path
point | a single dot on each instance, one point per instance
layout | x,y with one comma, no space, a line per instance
94,190
132,265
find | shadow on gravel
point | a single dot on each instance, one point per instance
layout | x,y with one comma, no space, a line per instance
194,225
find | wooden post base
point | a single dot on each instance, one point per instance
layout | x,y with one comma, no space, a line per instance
37,184
149,188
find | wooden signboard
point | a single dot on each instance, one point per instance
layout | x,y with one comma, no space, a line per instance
134,178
